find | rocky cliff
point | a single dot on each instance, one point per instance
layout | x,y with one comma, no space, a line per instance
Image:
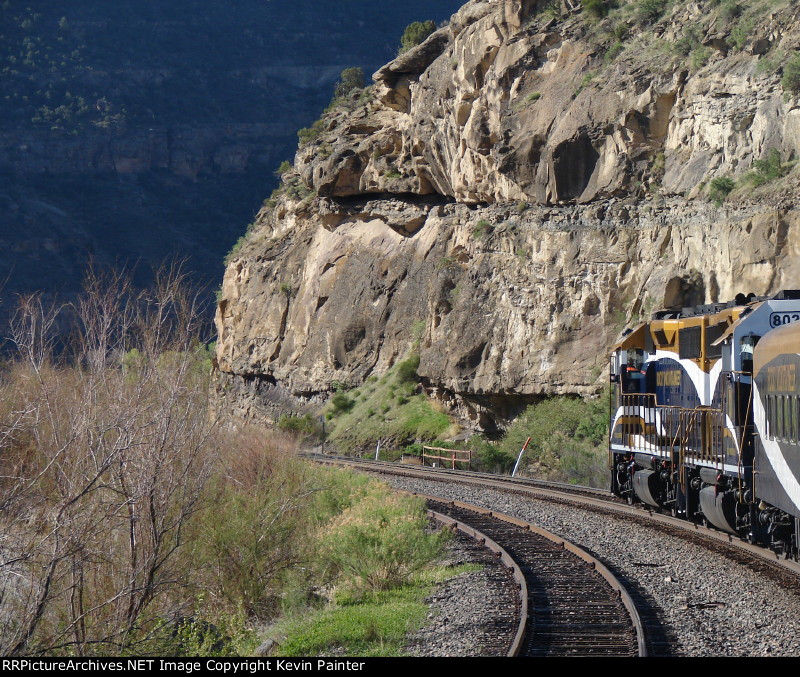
512,192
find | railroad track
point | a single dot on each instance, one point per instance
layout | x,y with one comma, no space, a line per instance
569,603
783,570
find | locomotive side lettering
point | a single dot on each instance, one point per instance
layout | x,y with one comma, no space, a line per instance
782,378
668,379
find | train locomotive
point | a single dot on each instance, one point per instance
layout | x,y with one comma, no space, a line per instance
705,417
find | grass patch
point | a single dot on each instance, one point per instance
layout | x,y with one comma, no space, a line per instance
400,414
586,80
375,625
378,543
769,64
376,629
482,229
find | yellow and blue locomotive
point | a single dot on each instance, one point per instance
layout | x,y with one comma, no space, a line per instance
705,416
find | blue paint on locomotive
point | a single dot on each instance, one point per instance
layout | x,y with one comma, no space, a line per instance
671,383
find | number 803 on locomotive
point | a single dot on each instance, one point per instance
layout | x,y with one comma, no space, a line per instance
705,417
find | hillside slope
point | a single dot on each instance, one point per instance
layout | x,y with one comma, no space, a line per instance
512,192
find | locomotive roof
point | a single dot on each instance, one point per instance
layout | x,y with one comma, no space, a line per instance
724,317
713,308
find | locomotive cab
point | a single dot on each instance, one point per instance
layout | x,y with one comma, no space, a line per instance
692,428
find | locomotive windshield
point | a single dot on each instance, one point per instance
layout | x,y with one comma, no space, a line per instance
633,371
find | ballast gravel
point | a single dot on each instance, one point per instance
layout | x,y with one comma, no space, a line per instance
466,610
707,604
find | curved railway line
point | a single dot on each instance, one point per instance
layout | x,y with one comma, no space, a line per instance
684,608
569,603
598,500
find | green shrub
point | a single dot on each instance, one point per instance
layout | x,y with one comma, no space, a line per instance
730,9
264,492
284,167
407,370
272,201
583,423
768,168
650,10
579,461
308,134
720,188
342,403
228,636
415,34
413,449
305,425
700,57
739,33
489,457
595,8
689,41
790,81
259,540
379,542
621,31
349,80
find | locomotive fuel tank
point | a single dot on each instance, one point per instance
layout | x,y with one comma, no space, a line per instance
719,508
647,485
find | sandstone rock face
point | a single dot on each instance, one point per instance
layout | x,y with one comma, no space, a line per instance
506,203
501,106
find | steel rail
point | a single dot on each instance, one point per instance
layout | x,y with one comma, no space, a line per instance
593,563
509,561
597,502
